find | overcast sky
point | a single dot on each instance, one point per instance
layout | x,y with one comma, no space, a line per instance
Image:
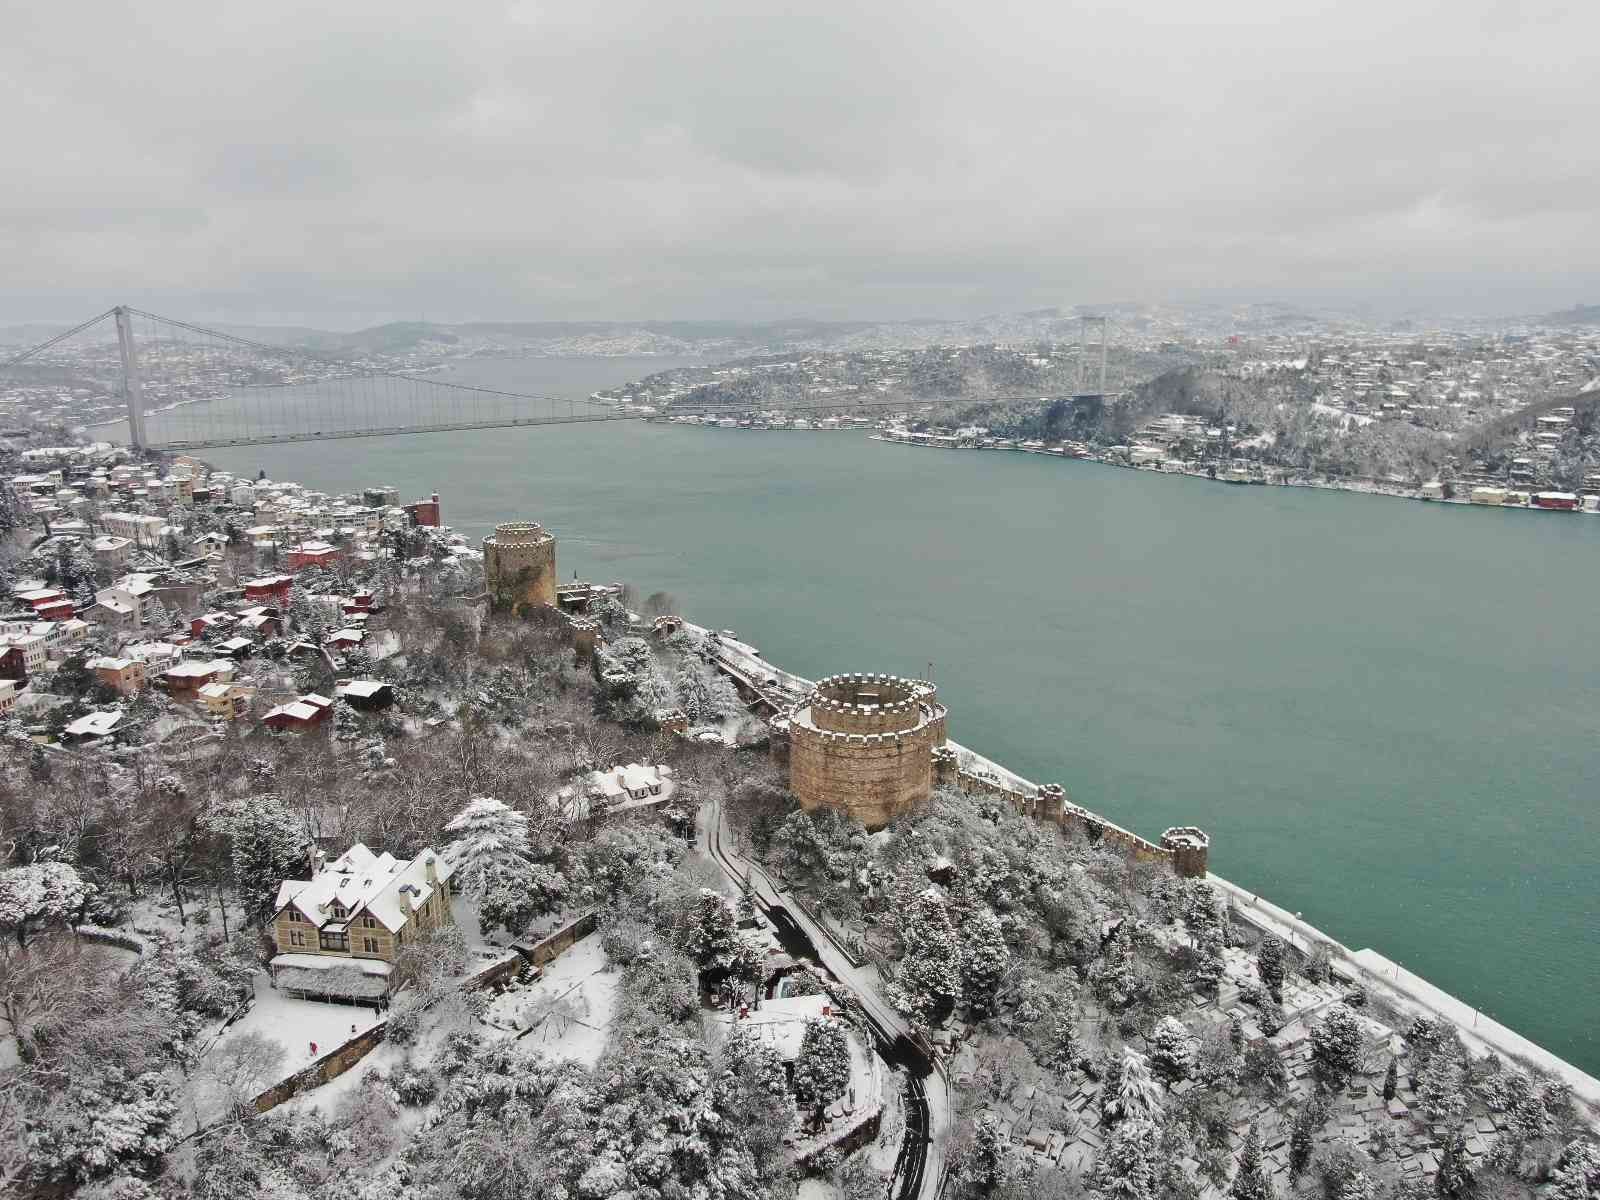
348,161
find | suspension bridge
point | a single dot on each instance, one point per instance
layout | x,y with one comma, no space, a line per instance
180,386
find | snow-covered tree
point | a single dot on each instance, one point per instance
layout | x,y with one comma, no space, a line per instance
493,861
40,894
747,1055
928,981
989,1165
1129,1165
266,845
1251,1181
1270,965
1454,1178
1129,1091
822,1069
1336,1045
104,1123
984,958
1577,1173
713,935
1172,1049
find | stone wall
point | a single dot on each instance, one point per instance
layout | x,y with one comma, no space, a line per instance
519,566
864,744
330,1066
1183,849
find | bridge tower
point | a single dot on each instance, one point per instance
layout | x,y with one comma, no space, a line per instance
132,388
1085,348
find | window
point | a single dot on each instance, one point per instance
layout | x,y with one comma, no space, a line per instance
294,915
335,941
369,921
297,937
369,945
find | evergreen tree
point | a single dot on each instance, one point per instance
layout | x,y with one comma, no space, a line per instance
1270,965
1236,1033
713,937
1391,1079
40,894
989,1166
1303,1133
1251,1181
928,982
1129,1165
1172,1050
1577,1173
1129,1091
1454,1179
1336,1046
265,844
822,1069
984,958
494,862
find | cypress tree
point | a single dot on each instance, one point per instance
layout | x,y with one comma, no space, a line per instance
1251,1182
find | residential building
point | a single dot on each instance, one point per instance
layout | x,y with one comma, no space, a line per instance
358,911
141,529
184,679
298,716
125,675
226,701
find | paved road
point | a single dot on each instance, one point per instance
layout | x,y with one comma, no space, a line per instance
921,1168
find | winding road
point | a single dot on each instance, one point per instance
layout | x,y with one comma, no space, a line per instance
921,1167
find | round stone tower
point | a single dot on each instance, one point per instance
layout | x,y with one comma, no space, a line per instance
864,744
519,566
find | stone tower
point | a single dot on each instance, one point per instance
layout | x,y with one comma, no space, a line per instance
865,744
519,566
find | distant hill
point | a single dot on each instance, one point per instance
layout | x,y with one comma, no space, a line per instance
1578,314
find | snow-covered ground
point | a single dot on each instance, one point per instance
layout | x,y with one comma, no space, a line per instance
296,1024
565,1012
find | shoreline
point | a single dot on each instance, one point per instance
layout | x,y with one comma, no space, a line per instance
1401,989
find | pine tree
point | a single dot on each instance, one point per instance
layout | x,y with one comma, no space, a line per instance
984,959
989,1166
1172,1049
1251,1181
928,982
493,861
1129,1091
1391,1079
266,845
822,1069
1336,1046
1269,965
713,937
1454,1179
1302,1135
1129,1165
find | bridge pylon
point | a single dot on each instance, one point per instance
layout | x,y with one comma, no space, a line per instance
132,388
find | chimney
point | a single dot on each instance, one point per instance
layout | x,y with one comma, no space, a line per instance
429,871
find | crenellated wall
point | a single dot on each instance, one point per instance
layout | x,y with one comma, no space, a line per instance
864,744
1184,849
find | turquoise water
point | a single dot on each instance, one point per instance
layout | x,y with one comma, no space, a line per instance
1385,712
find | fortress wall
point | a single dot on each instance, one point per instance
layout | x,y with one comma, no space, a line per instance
1184,850
873,778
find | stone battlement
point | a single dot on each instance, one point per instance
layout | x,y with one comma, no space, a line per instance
519,533
864,744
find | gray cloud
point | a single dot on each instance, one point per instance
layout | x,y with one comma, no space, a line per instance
634,159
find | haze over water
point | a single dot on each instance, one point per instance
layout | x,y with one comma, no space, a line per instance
1384,712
